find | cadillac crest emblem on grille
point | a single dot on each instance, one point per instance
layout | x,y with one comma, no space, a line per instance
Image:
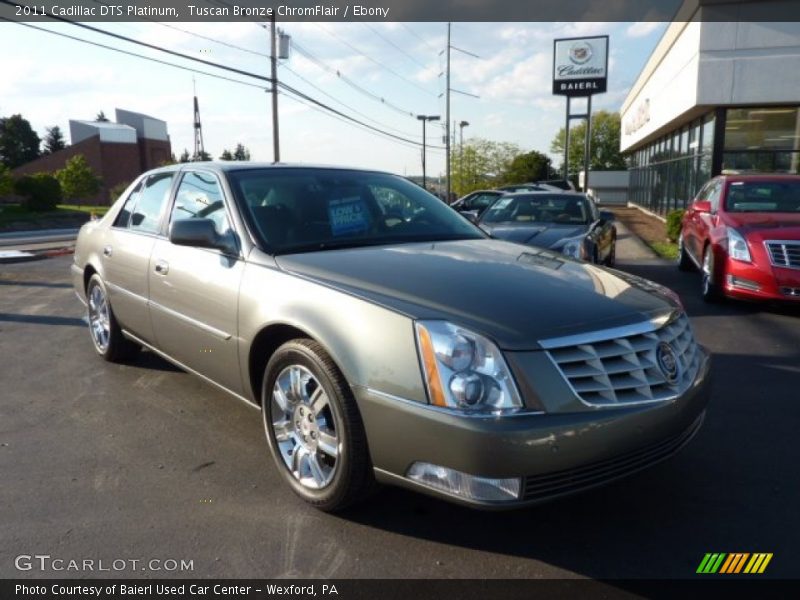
668,362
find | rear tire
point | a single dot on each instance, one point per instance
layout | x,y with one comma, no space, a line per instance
107,337
314,428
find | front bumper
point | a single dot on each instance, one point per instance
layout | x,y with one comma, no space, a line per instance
555,454
754,281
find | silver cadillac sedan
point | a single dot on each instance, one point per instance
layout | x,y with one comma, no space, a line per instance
387,339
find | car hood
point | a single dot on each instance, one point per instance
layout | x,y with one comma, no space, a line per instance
545,235
513,294
765,226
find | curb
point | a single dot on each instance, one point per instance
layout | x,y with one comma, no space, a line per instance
37,255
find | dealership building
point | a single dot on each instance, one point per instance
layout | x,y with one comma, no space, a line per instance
720,93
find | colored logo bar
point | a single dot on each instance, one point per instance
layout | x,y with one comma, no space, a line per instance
735,562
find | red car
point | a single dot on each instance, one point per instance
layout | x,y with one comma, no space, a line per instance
743,233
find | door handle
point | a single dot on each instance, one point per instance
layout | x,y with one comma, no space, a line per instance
107,251
162,267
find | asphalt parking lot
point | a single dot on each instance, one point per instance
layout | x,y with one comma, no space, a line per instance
144,461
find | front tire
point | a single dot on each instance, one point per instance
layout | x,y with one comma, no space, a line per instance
684,260
104,329
314,428
709,288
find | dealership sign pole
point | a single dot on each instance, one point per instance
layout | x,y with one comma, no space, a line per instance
580,68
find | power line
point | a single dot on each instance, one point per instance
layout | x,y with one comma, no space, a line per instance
216,65
322,65
377,62
289,88
134,54
323,92
392,44
416,35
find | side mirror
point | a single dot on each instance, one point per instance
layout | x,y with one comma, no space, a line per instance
607,216
199,233
702,206
471,215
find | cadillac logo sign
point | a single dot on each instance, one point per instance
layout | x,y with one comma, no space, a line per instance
580,66
580,52
668,363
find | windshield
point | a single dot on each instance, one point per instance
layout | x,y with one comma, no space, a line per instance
539,208
763,196
302,210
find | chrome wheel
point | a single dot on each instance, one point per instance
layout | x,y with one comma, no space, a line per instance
99,321
708,272
305,427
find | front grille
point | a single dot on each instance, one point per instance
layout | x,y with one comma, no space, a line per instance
625,370
784,253
539,487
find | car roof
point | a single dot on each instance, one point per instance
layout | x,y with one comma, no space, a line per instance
226,166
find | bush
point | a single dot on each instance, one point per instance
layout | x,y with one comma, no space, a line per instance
40,192
674,218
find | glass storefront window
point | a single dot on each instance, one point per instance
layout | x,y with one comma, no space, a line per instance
707,143
769,128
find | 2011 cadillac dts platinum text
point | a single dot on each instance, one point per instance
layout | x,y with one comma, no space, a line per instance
386,338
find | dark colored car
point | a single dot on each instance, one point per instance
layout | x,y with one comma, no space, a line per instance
473,204
567,222
743,233
385,338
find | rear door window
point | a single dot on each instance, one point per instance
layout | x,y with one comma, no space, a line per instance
153,197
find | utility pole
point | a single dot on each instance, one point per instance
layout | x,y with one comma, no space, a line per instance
587,145
425,119
199,149
447,113
448,89
461,126
276,142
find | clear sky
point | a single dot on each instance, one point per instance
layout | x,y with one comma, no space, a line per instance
49,80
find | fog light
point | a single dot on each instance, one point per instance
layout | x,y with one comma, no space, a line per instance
743,283
463,485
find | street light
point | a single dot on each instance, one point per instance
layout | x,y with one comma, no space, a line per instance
461,126
425,119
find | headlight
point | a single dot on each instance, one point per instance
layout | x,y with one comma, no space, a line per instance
572,247
464,370
737,246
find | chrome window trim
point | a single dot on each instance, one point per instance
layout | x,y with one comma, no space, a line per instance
783,244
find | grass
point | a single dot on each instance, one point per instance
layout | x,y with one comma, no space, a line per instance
667,250
16,213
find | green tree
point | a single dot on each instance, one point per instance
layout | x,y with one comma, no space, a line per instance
101,117
54,140
241,153
531,166
6,181
482,164
226,155
185,157
604,153
201,156
78,180
40,191
19,143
